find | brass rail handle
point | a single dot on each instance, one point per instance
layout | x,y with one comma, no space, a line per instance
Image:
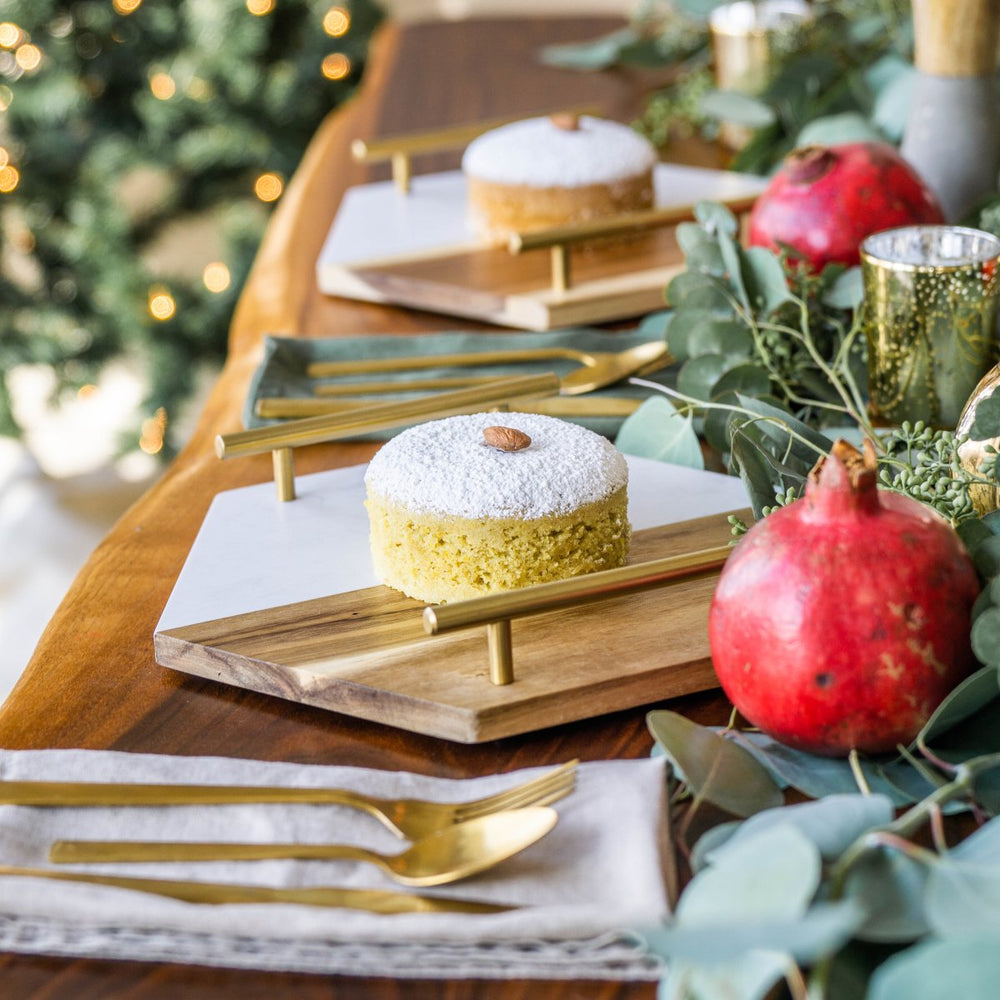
496,611
618,225
281,439
400,148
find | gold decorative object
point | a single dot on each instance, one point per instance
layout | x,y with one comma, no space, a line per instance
440,858
399,149
985,497
495,611
745,36
407,818
362,419
929,315
561,239
219,893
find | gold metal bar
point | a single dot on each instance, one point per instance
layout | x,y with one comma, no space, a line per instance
401,171
284,472
586,589
619,225
382,416
217,893
501,652
560,268
375,386
375,150
281,408
457,359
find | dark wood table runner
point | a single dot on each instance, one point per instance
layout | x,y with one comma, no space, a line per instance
93,681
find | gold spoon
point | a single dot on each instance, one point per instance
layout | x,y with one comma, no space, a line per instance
445,856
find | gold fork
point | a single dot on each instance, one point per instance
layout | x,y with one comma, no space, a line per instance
407,818
597,368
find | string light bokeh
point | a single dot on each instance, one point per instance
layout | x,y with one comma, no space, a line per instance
120,121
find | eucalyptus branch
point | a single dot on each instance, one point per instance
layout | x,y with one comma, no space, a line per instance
895,834
696,404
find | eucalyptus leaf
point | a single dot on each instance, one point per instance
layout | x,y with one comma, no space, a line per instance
599,53
656,430
700,249
771,876
732,259
847,291
716,218
893,101
963,701
890,887
715,334
832,823
698,375
655,324
807,938
821,776
765,279
986,423
987,557
973,531
756,471
831,130
752,977
714,768
982,846
958,967
742,380
712,840
963,897
696,290
786,430
733,106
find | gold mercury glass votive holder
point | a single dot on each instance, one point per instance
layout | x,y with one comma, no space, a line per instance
929,317
746,37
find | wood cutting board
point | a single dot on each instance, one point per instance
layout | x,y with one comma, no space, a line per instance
363,651
420,249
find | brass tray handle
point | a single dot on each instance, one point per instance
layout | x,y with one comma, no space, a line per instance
496,611
399,149
280,440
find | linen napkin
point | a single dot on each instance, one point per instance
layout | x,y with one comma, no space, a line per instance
282,372
579,890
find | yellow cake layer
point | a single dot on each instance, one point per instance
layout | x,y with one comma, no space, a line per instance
437,558
500,209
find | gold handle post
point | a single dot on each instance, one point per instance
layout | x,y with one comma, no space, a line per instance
587,589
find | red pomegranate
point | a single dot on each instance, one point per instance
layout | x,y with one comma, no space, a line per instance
841,621
824,200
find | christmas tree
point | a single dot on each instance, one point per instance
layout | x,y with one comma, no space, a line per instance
129,128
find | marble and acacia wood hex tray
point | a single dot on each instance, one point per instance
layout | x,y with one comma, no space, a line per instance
280,598
420,249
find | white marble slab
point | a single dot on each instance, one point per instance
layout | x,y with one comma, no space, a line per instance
377,221
254,552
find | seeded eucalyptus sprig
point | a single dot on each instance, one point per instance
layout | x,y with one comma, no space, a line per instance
772,370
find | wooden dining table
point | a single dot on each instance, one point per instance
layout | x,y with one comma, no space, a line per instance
93,681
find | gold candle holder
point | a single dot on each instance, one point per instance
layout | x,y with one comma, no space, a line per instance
929,317
745,38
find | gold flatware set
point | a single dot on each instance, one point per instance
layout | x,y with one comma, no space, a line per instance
449,841
596,370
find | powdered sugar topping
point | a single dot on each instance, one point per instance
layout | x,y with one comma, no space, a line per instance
538,153
444,467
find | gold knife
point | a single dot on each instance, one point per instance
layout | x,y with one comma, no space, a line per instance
216,893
